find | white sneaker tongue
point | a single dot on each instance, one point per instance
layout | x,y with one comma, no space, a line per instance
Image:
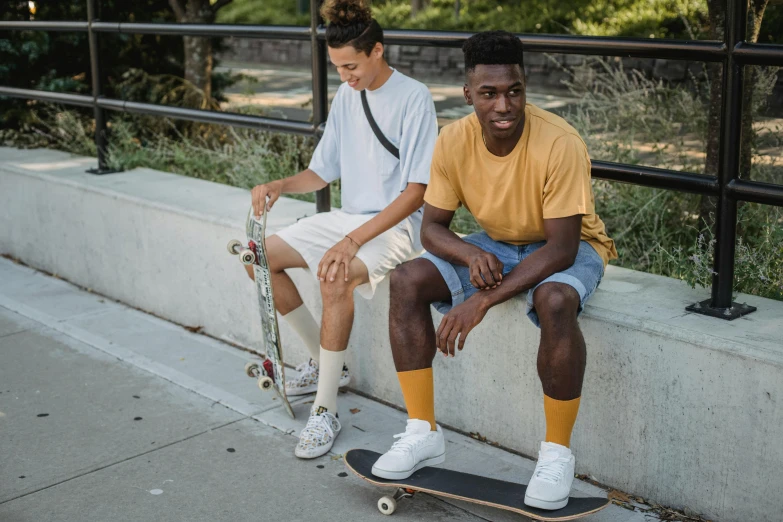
554,449
417,426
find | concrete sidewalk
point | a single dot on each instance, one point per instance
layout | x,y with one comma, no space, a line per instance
107,413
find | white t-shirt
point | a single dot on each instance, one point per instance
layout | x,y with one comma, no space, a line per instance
349,150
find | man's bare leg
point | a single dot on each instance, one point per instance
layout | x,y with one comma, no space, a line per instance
561,368
336,325
562,356
281,256
287,299
415,285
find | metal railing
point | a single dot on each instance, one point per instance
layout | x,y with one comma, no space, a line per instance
733,54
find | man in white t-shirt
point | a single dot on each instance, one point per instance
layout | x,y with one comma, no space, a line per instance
352,248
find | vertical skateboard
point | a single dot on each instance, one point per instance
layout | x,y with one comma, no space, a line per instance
271,373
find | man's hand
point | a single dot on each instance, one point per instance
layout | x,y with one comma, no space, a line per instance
271,190
459,321
486,271
340,254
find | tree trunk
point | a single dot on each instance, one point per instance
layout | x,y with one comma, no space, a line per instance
418,5
198,63
198,50
717,16
755,15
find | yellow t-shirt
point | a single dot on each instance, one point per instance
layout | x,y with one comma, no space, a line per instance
546,176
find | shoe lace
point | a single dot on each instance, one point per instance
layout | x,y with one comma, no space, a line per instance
318,426
308,365
408,441
306,369
551,468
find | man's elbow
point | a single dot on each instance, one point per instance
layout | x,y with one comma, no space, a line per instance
565,257
425,238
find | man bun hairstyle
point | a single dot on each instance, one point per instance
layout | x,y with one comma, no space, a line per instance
350,22
493,48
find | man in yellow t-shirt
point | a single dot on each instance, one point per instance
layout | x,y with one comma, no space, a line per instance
524,174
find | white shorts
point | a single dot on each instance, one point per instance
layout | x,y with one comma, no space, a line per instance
313,236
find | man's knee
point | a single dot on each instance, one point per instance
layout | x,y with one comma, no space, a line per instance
274,253
556,301
337,290
409,279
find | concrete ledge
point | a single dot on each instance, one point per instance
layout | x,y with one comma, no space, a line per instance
678,408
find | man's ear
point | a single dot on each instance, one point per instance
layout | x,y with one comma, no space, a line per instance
378,50
466,92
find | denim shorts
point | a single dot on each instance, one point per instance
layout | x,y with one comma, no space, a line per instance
584,275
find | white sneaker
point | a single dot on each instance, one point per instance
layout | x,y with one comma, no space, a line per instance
318,436
550,484
307,380
419,446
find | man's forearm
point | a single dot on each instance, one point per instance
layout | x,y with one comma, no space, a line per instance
301,183
410,200
544,262
440,241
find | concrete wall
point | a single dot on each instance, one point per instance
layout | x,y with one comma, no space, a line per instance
681,409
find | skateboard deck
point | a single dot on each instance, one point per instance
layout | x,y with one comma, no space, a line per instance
464,486
271,373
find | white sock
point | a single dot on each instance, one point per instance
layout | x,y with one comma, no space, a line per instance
329,370
303,323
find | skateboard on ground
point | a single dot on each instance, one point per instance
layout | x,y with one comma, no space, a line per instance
271,373
464,486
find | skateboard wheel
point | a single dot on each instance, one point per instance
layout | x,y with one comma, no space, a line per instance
251,369
387,505
265,383
234,246
247,257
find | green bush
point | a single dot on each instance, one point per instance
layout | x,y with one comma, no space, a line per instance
659,18
262,12
623,115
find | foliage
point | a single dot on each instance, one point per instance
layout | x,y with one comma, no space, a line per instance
758,261
660,18
263,12
629,118
60,61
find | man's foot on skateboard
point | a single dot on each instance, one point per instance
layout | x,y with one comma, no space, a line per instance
551,482
307,380
318,436
419,446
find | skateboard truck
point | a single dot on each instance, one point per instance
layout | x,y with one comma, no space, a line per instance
247,254
387,504
264,373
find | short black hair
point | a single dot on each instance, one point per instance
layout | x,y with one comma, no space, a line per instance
493,48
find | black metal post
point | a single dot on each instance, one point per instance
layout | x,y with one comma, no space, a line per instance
720,305
323,200
95,70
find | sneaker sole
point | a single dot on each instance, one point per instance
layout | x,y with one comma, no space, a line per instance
293,392
400,475
314,454
550,505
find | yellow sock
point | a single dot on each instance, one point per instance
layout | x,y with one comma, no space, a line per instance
560,419
419,394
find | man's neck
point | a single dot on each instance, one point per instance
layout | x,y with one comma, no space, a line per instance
505,146
382,77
